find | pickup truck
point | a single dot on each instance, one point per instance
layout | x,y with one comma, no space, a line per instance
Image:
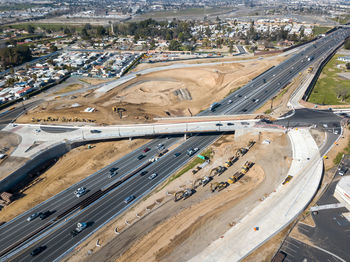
80,227
192,151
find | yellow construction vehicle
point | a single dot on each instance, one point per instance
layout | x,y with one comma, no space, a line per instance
234,178
218,186
228,164
310,69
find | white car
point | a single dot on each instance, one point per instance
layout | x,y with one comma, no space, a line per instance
229,101
152,176
33,216
80,192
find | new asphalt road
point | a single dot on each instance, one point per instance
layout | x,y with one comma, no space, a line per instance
57,238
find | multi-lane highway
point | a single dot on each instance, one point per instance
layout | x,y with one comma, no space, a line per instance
58,240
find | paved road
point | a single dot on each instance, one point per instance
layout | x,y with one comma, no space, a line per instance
9,116
245,100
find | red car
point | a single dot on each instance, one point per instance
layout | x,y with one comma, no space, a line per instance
146,149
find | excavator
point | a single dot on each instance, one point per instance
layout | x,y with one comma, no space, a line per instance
218,186
183,194
217,170
201,181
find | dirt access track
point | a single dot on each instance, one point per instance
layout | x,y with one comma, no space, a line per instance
177,92
176,231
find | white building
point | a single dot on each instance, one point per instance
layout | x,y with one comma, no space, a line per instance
342,191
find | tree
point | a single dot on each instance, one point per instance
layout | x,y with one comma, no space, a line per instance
12,56
66,31
84,34
342,93
87,26
181,37
30,29
347,44
174,45
347,66
100,31
53,48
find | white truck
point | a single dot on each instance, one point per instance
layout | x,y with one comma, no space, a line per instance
80,227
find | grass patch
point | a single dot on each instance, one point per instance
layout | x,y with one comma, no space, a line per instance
339,156
69,88
268,111
318,30
328,84
208,154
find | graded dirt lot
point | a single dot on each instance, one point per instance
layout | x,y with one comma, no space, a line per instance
68,170
8,142
175,231
177,92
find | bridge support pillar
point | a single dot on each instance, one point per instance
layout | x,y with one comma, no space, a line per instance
185,137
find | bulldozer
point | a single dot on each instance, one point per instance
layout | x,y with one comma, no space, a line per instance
183,194
218,186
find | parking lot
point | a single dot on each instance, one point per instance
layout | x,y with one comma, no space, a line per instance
329,239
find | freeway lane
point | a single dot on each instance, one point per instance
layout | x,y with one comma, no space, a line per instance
105,209
67,198
235,107
10,115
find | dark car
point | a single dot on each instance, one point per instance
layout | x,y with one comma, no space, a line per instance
143,173
45,214
218,124
37,250
177,154
146,149
129,199
244,110
113,169
140,157
95,131
230,124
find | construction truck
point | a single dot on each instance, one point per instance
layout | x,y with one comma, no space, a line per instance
245,168
218,186
80,227
310,69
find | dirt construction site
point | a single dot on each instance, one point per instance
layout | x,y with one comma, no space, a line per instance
170,225
176,92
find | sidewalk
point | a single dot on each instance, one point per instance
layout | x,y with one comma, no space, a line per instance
276,211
